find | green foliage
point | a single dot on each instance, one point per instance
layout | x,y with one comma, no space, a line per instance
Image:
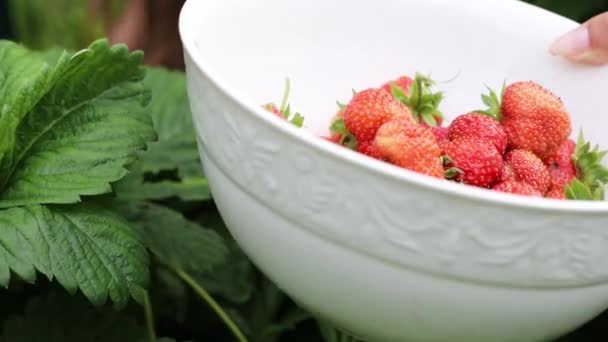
101,192
63,138
175,240
59,317
83,246
74,137
175,151
176,148
576,10
70,24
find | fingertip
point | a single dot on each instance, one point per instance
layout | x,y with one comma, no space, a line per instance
571,44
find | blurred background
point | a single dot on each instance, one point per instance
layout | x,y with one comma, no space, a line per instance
150,25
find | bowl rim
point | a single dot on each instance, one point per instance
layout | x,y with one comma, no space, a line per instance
188,21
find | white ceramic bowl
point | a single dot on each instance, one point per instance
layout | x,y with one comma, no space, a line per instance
386,254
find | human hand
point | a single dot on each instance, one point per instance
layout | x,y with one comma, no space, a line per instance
587,44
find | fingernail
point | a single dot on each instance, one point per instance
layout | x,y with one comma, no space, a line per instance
573,43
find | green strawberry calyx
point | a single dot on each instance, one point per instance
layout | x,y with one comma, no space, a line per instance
347,138
493,101
295,118
591,176
423,103
451,172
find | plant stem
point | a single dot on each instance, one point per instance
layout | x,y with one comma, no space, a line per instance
149,317
205,296
285,96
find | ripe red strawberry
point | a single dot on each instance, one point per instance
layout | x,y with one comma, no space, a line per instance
368,148
336,136
562,156
559,178
369,109
481,126
507,173
473,161
526,167
331,138
441,134
403,82
407,144
556,193
269,107
437,170
561,168
519,188
534,118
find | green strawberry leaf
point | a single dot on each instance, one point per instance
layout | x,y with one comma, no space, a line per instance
288,322
329,333
133,188
232,279
175,240
80,135
175,152
59,317
136,186
84,246
176,147
72,24
179,155
263,310
24,80
590,172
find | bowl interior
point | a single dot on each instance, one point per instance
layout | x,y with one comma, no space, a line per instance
328,48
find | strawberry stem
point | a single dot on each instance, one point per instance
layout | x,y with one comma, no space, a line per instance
285,96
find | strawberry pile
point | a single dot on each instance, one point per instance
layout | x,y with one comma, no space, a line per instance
520,144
